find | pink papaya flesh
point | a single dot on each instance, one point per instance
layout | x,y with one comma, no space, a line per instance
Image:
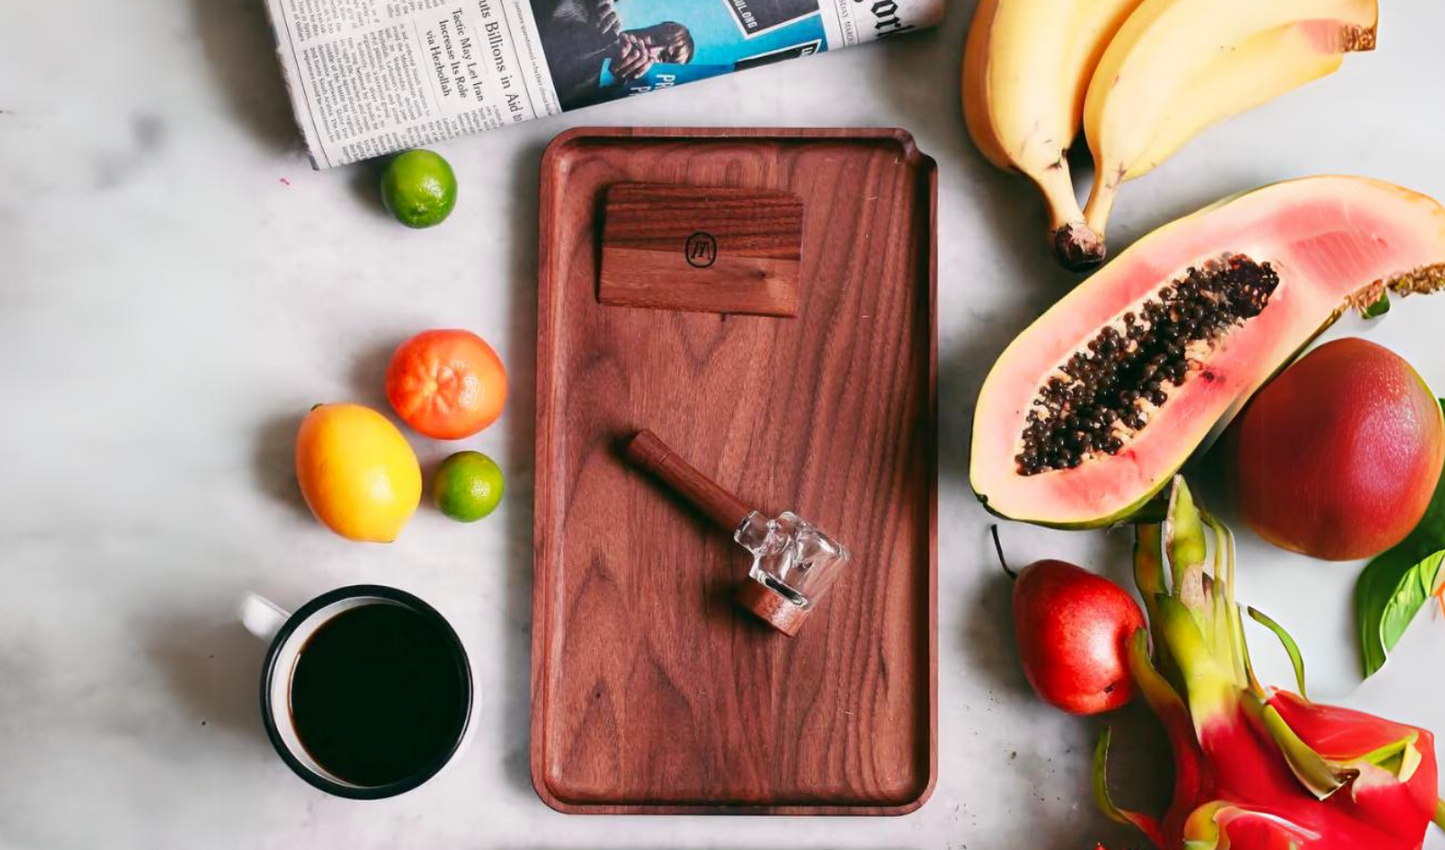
1093,408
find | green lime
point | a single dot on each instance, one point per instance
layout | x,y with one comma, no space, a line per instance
468,486
419,188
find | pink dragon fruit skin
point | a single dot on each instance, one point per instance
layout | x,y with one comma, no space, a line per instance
1256,768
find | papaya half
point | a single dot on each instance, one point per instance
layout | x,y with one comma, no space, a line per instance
1093,408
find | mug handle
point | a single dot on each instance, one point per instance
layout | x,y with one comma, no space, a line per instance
262,617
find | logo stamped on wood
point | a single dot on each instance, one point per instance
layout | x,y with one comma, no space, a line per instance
706,249
700,250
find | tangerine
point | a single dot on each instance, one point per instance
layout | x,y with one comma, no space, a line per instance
446,384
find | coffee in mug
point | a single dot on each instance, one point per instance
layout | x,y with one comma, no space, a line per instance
366,691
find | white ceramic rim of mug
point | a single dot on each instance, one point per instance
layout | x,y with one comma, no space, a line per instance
281,666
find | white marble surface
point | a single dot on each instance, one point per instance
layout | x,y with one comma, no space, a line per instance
177,287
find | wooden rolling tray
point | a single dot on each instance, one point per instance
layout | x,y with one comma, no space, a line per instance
652,691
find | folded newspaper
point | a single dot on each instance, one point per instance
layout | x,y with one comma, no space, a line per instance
368,77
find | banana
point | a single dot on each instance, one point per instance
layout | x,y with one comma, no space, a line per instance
1178,66
1026,69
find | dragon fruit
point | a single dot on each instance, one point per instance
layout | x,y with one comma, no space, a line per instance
1255,768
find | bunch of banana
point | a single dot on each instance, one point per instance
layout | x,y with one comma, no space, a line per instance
1141,77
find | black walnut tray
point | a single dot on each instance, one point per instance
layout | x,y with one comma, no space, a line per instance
652,691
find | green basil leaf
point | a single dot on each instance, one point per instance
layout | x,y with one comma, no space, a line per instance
1391,591
1394,586
1419,585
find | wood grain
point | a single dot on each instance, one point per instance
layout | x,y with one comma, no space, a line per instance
710,249
652,691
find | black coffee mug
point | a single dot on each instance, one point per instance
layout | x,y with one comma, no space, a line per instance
366,691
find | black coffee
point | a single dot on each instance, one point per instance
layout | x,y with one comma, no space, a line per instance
378,694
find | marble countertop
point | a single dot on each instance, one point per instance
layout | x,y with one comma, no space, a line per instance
177,287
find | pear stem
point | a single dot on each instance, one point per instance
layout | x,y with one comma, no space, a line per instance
998,547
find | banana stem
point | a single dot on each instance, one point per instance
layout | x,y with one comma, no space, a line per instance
1057,187
1076,246
1101,201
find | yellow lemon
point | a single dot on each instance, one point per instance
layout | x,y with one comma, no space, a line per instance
357,472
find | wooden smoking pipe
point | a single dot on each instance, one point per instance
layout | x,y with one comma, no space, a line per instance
815,557
648,452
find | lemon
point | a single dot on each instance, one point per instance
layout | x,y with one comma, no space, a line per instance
357,472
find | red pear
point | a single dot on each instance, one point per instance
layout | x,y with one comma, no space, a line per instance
1338,458
1073,629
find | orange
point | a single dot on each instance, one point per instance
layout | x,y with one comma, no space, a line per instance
446,384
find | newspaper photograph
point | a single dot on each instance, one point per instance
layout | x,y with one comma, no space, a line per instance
370,77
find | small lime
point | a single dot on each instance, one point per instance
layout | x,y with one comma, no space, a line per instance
468,486
419,188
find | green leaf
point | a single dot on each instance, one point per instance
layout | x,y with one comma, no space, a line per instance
1390,592
1379,308
1394,586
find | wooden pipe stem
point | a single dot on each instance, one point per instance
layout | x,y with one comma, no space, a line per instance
648,452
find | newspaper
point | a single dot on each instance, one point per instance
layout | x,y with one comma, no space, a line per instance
368,77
